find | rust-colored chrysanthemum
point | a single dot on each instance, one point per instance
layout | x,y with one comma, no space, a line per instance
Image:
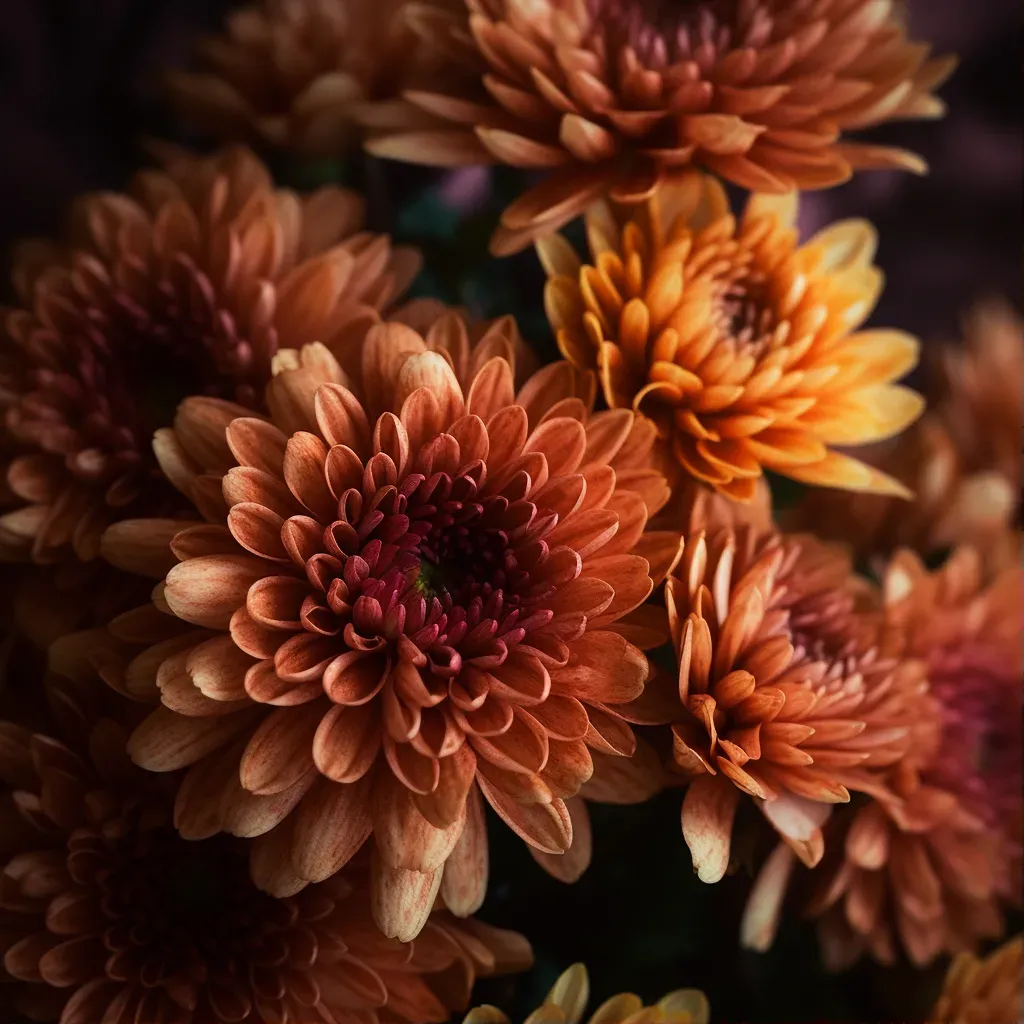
983,991
929,861
566,1003
410,592
783,696
617,96
109,915
962,459
740,344
307,75
186,286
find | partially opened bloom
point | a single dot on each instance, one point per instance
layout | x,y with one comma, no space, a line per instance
739,343
566,1003
929,862
783,696
109,915
186,286
617,96
961,459
409,594
306,75
983,990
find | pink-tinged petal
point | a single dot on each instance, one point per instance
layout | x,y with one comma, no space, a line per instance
280,751
464,883
331,823
708,810
208,590
548,827
347,742
569,866
764,904
401,899
625,780
166,740
603,668
799,820
444,804
404,837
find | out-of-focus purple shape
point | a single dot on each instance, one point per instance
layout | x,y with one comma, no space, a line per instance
466,189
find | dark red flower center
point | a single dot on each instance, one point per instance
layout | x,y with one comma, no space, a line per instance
122,364
437,564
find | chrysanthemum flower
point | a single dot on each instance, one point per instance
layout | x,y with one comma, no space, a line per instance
566,1003
410,593
982,991
961,459
929,861
109,915
740,344
782,696
964,623
617,96
186,286
307,75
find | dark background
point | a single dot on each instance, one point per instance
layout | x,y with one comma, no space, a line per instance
79,92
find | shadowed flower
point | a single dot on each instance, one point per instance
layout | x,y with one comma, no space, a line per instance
962,459
783,696
307,75
617,96
412,591
983,991
109,915
740,344
186,286
928,862
566,1003
964,623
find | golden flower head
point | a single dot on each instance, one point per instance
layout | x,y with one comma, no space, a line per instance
614,97
410,593
961,459
982,991
186,286
782,695
108,914
307,75
740,344
566,1003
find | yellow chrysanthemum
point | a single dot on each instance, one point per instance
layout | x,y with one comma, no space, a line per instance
741,344
567,1002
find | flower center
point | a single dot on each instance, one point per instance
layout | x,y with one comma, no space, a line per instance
741,311
435,563
125,367
176,901
660,31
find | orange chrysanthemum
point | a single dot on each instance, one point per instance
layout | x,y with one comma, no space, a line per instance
740,344
308,75
566,1003
107,914
783,697
929,861
983,991
410,592
188,285
962,459
617,96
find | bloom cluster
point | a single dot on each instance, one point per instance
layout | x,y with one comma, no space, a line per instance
323,575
